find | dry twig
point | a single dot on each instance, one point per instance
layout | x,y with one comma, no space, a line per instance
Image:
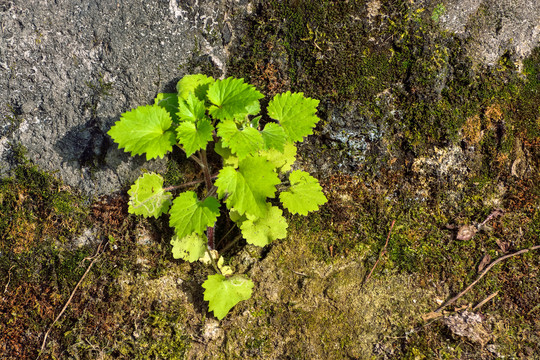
9,278
383,251
485,300
492,264
94,258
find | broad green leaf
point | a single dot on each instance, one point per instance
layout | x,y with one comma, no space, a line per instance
193,84
295,113
274,137
223,293
254,108
241,142
191,109
236,217
168,101
228,158
146,129
262,231
147,197
249,186
304,195
189,215
232,98
255,122
190,248
194,136
281,160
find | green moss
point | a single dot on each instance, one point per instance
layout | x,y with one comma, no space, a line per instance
35,207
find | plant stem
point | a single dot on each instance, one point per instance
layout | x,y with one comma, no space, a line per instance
214,265
209,187
206,170
382,252
193,157
195,182
231,244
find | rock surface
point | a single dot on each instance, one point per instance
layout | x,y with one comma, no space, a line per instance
69,69
494,27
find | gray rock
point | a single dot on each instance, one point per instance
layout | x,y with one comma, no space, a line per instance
68,69
494,27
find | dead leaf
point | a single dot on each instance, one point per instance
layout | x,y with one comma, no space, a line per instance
462,307
431,315
466,232
486,260
503,245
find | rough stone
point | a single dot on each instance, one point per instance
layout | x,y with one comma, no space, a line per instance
69,69
494,27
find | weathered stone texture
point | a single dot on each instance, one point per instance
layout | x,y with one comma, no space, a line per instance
69,69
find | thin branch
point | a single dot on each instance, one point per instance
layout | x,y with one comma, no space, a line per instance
491,216
229,245
195,182
227,234
483,302
9,278
192,156
94,259
170,188
492,264
209,187
383,251
210,231
212,191
206,170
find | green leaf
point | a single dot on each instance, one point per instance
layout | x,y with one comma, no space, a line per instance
304,195
295,113
248,188
168,101
190,248
232,98
281,160
146,129
189,215
194,137
197,84
255,122
241,142
262,231
274,137
228,158
191,109
254,108
147,197
222,293
236,217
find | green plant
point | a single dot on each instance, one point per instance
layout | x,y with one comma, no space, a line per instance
256,154
438,11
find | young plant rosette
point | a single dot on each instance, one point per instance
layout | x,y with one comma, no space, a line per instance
256,159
